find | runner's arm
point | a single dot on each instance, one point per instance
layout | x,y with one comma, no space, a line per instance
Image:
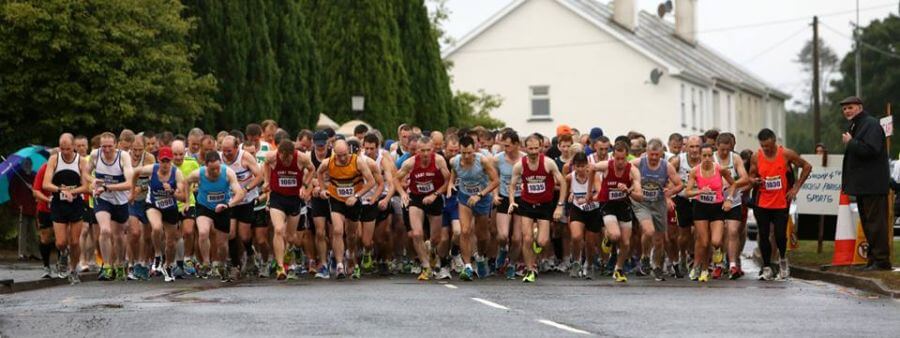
388,169
689,190
128,170
362,163
445,171
677,185
405,168
320,174
491,171
732,189
513,180
306,164
237,191
636,193
255,170
180,187
452,178
47,184
798,161
558,176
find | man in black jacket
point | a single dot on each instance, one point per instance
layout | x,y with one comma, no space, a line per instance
866,176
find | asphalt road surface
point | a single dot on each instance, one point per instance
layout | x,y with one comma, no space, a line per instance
400,306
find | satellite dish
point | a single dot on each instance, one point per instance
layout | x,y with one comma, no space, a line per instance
663,8
655,75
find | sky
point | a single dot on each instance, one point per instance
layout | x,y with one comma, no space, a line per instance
763,36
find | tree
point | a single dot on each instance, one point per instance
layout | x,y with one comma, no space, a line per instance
90,65
880,75
298,62
474,110
802,139
431,95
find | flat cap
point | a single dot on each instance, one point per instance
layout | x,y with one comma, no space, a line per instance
851,100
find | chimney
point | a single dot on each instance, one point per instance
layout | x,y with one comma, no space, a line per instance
686,21
624,13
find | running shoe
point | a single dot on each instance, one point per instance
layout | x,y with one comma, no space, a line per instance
658,274
106,273
120,273
292,273
265,271
357,273
167,275
143,273
718,257
215,272
322,273
341,273
280,273
784,270
563,266
273,267
84,268
529,277
177,272
536,248
74,279
416,269
704,276
250,268
619,276
642,267
62,265
717,272
46,274
766,274
510,273
466,274
444,273
189,267
680,269
520,270
695,274
367,263
605,246
457,264
425,275
384,269
203,271
734,273
575,270
501,259
481,267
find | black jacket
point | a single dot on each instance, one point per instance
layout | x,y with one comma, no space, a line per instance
866,167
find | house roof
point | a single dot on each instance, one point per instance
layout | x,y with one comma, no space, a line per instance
654,38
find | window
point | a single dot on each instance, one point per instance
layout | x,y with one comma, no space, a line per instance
702,110
717,111
683,110
540,101
694,108
729,111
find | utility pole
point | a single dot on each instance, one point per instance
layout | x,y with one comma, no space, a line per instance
858,62
817,123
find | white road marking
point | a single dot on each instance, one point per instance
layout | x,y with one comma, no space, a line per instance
562,327
490,303
451,286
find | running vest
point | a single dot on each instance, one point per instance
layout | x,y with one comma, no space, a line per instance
157,194
425,180
188,166
653,181
67,174
773,191
212,193
684,170
506,169
369,197
345,180
286,180
111,173
537,184
142,181
244,176
736,200
714,183
609,190
579,192
471,180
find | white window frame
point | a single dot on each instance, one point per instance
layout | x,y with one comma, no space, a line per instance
532,97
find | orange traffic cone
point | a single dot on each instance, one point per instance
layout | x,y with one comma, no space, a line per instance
844,234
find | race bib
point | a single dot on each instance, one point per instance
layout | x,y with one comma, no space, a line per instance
287,182
472,189
345,191
425,187
165,203
518,191
651,195
537,188
580,200
708,197
215,197
773,183
616,194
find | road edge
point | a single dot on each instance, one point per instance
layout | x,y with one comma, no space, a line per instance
867,284
16,287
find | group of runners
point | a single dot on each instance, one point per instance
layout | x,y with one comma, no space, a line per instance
462,203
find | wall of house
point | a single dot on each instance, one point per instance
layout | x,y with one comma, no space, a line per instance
594,80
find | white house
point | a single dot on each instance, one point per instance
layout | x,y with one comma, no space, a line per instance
589,64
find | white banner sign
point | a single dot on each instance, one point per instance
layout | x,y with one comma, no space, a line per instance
821,194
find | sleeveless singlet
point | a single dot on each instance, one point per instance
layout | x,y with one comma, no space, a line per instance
471,180
345,180
608,190
773,191
111,173
244,176
67,174
714,183
286,180
423,181
537,184
157,194
579,193
505,170
212,193
653,181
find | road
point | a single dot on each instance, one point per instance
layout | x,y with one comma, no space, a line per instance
400,306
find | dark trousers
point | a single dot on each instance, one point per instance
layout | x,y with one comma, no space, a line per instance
873,215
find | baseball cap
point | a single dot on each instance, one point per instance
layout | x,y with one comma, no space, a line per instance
320,138
165,153
563,129
596,133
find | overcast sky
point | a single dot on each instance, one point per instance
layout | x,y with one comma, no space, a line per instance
762,35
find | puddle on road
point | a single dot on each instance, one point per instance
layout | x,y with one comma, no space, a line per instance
103,306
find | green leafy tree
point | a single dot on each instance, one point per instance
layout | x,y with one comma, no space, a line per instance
474,109
880,77
298,62
89,65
